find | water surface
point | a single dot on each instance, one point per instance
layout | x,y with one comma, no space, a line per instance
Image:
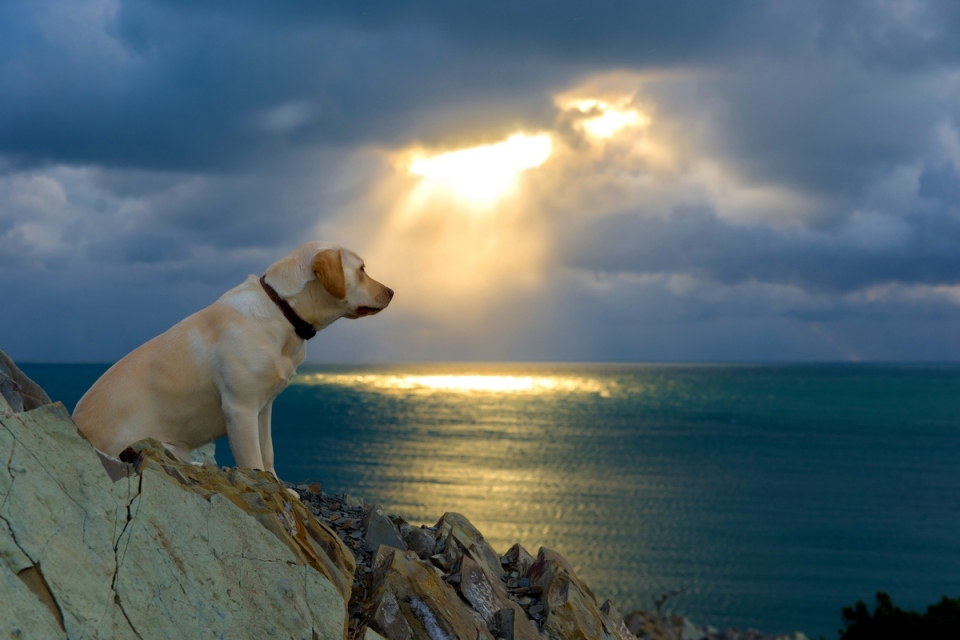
774,495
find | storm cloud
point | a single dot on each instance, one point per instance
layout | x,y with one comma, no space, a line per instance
791,192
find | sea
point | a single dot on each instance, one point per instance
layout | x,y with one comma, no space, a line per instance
770,495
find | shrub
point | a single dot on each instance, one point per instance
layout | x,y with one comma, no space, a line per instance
940,622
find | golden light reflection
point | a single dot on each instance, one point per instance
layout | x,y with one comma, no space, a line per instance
470,234
462,383
607,120
485,172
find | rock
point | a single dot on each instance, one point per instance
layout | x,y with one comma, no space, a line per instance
23,589
370,634
615,618
29,392
171,551
10,399
206,453
518,559
634,622
259,495
380,531
389,620
691,631
210,562
431,609
420,541
503,623
54,486
647,624
456,536
352,501
488,597
571,608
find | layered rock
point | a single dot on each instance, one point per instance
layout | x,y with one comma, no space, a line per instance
17,391
446,582
158,550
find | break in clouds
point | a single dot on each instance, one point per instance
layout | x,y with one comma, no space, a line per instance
724,181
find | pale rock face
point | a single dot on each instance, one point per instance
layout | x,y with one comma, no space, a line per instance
175,551
60,508
232,578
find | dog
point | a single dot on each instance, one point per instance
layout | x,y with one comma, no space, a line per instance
218,371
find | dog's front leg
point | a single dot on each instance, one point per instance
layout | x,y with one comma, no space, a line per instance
266,445
243,432
266,440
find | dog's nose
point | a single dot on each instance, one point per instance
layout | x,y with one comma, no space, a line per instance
390,292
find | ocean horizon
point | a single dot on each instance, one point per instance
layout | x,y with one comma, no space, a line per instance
773,495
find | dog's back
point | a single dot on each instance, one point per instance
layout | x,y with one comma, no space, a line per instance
164,389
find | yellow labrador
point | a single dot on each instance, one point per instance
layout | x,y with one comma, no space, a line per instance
217,372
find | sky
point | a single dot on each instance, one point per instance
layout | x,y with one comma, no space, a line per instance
540,180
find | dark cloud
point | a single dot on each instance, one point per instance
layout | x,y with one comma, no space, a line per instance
184,85
155,152
167,87
899,35
920,248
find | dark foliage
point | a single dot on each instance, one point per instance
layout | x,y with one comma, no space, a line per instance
940,622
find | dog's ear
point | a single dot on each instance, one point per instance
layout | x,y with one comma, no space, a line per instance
328,267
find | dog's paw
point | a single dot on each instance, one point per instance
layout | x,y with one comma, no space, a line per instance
293,493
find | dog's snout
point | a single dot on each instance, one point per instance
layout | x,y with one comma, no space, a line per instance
390,293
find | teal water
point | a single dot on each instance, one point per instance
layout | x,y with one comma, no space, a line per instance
774,495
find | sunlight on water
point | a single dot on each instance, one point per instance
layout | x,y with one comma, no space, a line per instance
773,494
465,384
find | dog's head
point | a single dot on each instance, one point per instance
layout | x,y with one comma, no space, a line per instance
324,281
344,276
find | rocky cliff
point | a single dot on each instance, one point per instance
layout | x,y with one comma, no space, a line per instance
149,547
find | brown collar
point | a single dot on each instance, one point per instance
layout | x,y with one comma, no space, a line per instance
303,328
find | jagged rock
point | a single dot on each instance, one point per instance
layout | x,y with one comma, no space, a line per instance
488,596
151,554
456,535
615,618
430,608
29,392
645,624
518,559
10,399
389,620
420,541
503,623
571,608
380,531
